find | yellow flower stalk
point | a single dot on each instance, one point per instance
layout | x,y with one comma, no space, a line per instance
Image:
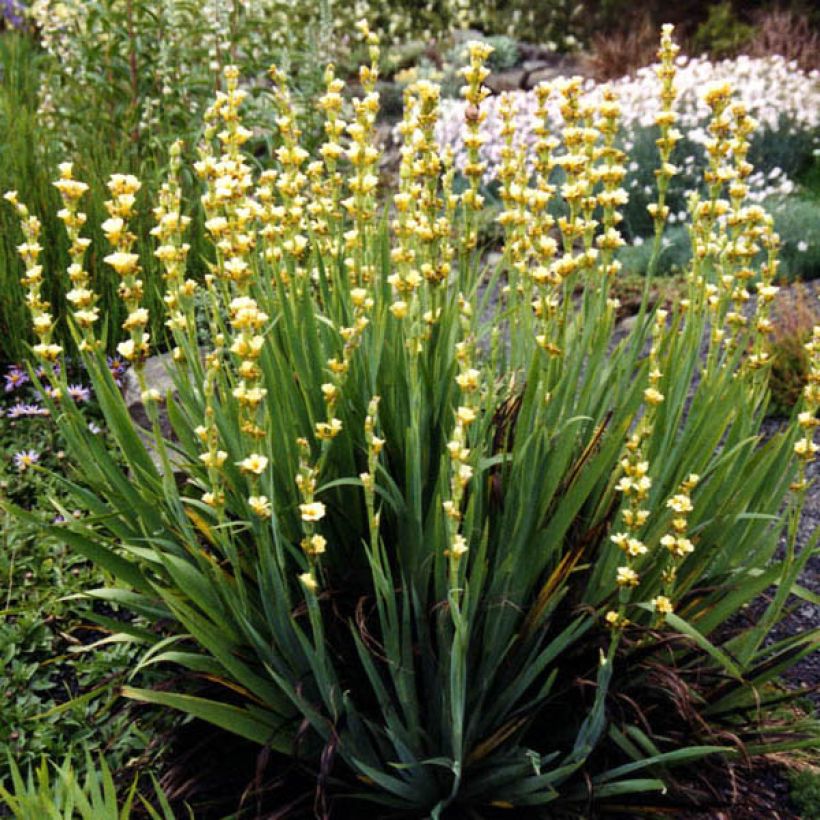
331,151
123,189
81,295
364,159
676,543
172,252
806,448
291,181
669,136
474,92
611,173
46,350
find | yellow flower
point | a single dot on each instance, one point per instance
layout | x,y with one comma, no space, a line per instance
216,459
315,544
805,448
254,463
113,228
399,309
260,505
466,415
136,319
123,263
468,380
308,581
627,577
126,349
328,430
312,511
614,620
680,503
653,396
662,604
459,547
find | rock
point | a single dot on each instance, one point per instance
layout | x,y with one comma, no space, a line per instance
158,372
541,75
532,52
506,81
533,65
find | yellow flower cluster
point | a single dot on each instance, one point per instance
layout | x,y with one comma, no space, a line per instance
247,321
311,512
290,183
474,92
425,205
213,458
676,542
805,448
461,467
229,211
30,249
375,445
635,483
123,189
364,159
172,252
81,296
665,119
327,193
611,173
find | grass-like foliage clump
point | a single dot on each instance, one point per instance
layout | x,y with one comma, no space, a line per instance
429,528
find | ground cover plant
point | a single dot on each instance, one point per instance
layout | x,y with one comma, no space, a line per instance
60,672
429,528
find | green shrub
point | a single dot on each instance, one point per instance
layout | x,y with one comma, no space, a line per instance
722,34
440,536
794,314
505,53
805,793
797,220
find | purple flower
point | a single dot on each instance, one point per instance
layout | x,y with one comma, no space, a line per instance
19,410
117,366
25,459
40,372
15,377
78,392
11,12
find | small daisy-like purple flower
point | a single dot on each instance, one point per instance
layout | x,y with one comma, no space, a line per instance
15,378
58,519
12,12
40,372
117,366
17,411
25,459
78,392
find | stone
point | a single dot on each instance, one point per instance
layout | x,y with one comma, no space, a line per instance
533,65
547,74
505,81
158,372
